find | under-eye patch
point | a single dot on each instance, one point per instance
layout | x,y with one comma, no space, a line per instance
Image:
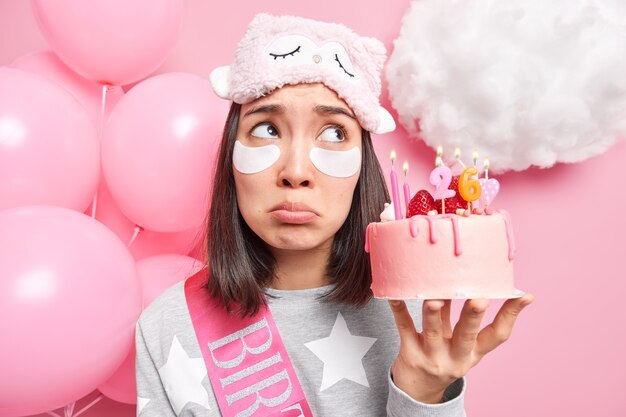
341,164
250,160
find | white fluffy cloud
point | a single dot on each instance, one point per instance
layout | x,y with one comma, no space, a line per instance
527,82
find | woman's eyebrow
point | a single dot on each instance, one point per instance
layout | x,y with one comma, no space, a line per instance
268,108
325,110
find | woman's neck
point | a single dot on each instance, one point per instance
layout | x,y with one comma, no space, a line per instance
300,269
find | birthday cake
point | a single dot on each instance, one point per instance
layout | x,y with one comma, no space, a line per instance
443,249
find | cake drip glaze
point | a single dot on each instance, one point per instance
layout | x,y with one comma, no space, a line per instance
433,237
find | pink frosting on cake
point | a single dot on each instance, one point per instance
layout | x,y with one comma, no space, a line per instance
443,256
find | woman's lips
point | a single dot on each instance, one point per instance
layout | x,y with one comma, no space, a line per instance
293,217
293,213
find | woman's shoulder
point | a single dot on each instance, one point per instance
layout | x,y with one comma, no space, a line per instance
165,328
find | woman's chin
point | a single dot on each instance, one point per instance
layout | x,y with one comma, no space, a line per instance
298,242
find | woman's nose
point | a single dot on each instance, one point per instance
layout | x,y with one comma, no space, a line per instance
296,169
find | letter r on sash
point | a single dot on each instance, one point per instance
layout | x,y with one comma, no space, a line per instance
255,388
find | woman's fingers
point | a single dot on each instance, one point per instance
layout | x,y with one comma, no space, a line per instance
404,321
432,325
501,328
466,330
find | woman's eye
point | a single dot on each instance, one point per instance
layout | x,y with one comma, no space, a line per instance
265,130
332,134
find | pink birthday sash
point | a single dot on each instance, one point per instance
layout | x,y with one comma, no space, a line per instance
246,360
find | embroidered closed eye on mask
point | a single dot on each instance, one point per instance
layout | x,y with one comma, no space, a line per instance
293,50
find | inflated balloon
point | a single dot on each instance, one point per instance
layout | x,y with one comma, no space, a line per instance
156,274
110,41
49,148
88,93
69,300
158,151
148,242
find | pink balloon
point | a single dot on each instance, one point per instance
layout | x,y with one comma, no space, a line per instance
156,274
69,300
49,149
147,243
158,150
110,41
88,93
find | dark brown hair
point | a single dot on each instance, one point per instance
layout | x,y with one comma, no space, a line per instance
241,265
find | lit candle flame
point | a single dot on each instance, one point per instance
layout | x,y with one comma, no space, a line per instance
486,166
438,159
475,157
405,167
393,156
457,156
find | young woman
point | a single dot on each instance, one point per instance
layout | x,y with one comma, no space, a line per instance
282,321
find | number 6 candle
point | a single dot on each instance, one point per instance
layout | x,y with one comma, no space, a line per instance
469,188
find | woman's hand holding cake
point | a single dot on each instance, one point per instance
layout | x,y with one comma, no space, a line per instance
430,360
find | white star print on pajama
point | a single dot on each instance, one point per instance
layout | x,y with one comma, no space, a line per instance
182,377
342,354
141,403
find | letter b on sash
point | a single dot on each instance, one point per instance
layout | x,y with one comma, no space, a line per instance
240,335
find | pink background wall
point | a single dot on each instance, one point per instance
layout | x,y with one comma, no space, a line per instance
566,356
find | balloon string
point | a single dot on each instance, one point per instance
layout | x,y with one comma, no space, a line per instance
69,409
88,406
105,88
138,229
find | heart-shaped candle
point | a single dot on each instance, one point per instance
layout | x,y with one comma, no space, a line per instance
490,188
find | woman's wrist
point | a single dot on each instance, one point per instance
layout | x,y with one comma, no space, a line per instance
422,396
419,392
430,399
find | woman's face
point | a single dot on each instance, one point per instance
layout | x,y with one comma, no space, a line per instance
296,164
